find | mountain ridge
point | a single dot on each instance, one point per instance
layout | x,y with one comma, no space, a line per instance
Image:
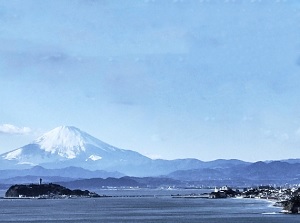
68,146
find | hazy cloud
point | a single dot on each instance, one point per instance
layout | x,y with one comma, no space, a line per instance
278,136
157,138
297,132
14,130
209,119
247,118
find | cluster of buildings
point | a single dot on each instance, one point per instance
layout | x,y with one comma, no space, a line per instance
269,192
261,192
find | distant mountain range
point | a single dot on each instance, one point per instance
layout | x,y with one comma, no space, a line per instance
67,154
275,172
50,175
67,146
259,173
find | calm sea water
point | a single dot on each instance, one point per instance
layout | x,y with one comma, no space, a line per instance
157,206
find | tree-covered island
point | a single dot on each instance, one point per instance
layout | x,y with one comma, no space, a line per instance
45,191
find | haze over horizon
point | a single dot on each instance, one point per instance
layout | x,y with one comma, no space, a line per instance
169,79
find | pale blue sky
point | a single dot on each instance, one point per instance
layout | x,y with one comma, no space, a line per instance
169,79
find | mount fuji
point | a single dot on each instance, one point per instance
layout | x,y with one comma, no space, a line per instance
67,153
69,146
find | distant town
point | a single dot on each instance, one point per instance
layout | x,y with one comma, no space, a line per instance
286,197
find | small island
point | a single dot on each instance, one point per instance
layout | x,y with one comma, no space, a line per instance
45,191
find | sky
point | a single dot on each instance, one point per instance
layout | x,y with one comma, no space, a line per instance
205,79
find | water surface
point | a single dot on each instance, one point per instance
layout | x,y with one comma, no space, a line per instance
154,207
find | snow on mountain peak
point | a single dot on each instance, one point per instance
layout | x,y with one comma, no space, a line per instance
66,141
69,146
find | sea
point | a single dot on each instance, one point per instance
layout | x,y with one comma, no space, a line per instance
143,205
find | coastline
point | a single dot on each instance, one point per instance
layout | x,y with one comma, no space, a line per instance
270,201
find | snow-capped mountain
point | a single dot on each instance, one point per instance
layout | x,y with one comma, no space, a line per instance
69,146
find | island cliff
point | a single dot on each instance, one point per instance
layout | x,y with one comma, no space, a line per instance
46,191
292,205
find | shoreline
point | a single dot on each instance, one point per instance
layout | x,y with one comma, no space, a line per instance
272,197
271,203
